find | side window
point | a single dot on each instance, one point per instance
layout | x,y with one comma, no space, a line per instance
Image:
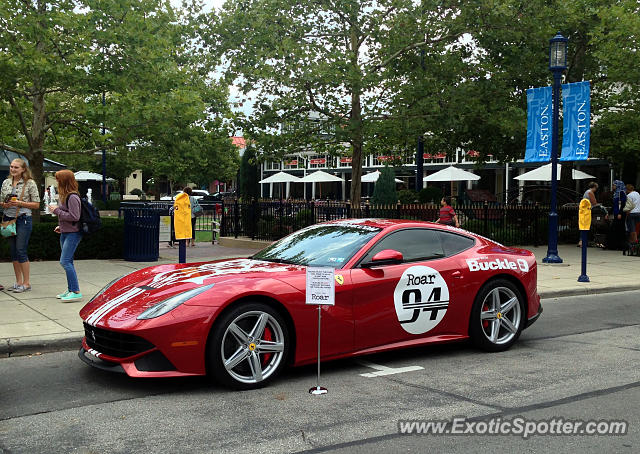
414,244
454,244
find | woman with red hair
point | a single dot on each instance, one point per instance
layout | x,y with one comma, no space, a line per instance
68,213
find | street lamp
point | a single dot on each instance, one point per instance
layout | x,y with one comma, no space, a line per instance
557,64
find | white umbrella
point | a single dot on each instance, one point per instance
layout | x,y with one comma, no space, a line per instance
543,173
452,174
84,175
320,177
580,175
280,177
373,177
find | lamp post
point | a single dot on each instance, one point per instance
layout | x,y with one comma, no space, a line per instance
104,161
557,64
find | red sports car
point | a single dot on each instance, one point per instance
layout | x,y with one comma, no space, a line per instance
397,284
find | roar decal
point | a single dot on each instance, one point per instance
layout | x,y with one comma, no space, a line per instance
421,299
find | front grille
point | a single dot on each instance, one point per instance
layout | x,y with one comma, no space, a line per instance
113,343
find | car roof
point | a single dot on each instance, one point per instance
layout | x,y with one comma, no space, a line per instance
393,224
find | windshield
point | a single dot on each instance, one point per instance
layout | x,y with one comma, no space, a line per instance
330,245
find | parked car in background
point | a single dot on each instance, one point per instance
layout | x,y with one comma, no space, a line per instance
219,196
197,193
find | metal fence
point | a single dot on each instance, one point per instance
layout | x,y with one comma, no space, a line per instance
507,224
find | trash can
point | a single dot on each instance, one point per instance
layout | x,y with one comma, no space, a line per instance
141,231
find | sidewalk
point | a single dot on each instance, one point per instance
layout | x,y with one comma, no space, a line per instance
35,321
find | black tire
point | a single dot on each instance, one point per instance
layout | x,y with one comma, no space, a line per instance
497,330
260,356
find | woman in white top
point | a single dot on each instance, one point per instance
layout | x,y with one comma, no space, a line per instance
19,195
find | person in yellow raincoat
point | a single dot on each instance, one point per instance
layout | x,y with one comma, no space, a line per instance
182,217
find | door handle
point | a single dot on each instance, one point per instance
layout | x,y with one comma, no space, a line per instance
456,274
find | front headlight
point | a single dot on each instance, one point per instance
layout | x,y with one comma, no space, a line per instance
106,287
170,304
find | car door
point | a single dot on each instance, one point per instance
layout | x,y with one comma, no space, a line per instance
408,301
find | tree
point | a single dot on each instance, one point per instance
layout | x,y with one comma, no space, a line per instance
384,192
60,58
248,187
334,59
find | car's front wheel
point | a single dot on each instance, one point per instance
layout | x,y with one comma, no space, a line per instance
497,316
249,346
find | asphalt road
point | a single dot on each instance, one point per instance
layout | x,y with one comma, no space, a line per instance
579,361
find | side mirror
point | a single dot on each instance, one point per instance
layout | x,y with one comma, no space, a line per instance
385,257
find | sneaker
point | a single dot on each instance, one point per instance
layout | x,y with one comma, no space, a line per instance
22,289
62,295
13,287
72,296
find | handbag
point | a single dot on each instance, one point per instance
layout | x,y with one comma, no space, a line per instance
8,228
197,210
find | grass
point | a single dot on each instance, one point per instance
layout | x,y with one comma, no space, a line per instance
203,236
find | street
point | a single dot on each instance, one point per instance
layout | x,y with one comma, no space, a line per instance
578,361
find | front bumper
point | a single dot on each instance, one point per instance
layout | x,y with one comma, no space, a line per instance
531,320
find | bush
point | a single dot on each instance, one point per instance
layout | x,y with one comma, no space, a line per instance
430,195
136,191
407,197
44,244
384,192
112,205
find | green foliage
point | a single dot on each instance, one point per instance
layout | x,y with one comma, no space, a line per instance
44,244
125,68
430,194
384,192
408,196
248,186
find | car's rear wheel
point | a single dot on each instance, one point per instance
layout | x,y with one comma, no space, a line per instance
497,316
249,346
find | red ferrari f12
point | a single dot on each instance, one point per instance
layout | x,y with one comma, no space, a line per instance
397,284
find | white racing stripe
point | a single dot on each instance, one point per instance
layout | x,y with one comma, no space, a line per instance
120,299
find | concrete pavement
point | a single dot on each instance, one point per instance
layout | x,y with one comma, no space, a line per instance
36,321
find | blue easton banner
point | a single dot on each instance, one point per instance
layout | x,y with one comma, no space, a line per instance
576,111
539,117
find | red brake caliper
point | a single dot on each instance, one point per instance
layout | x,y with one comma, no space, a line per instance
485,323
268,336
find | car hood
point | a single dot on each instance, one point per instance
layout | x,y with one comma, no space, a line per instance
133,294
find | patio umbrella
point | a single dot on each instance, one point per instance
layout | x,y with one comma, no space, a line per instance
281,177
452,174
320,177
84,175
373,177
543,173
580,175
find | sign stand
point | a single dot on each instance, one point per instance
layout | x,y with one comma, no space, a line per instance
584,223
320,291
318,390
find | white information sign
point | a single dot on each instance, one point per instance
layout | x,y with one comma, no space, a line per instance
320,286
165,228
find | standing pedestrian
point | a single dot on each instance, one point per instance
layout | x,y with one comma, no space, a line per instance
632,208
193,202
447,213
590,195
68,213
20,195
616,236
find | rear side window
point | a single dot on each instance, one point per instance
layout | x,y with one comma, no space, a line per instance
453,244
414,244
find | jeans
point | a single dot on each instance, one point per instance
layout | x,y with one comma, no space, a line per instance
18,244
632,220
68,244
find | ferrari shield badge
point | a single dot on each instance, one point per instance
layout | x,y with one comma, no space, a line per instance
421,299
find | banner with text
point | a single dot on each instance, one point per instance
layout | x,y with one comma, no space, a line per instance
539,116
576,115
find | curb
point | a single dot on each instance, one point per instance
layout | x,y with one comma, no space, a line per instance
70,341
22,346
